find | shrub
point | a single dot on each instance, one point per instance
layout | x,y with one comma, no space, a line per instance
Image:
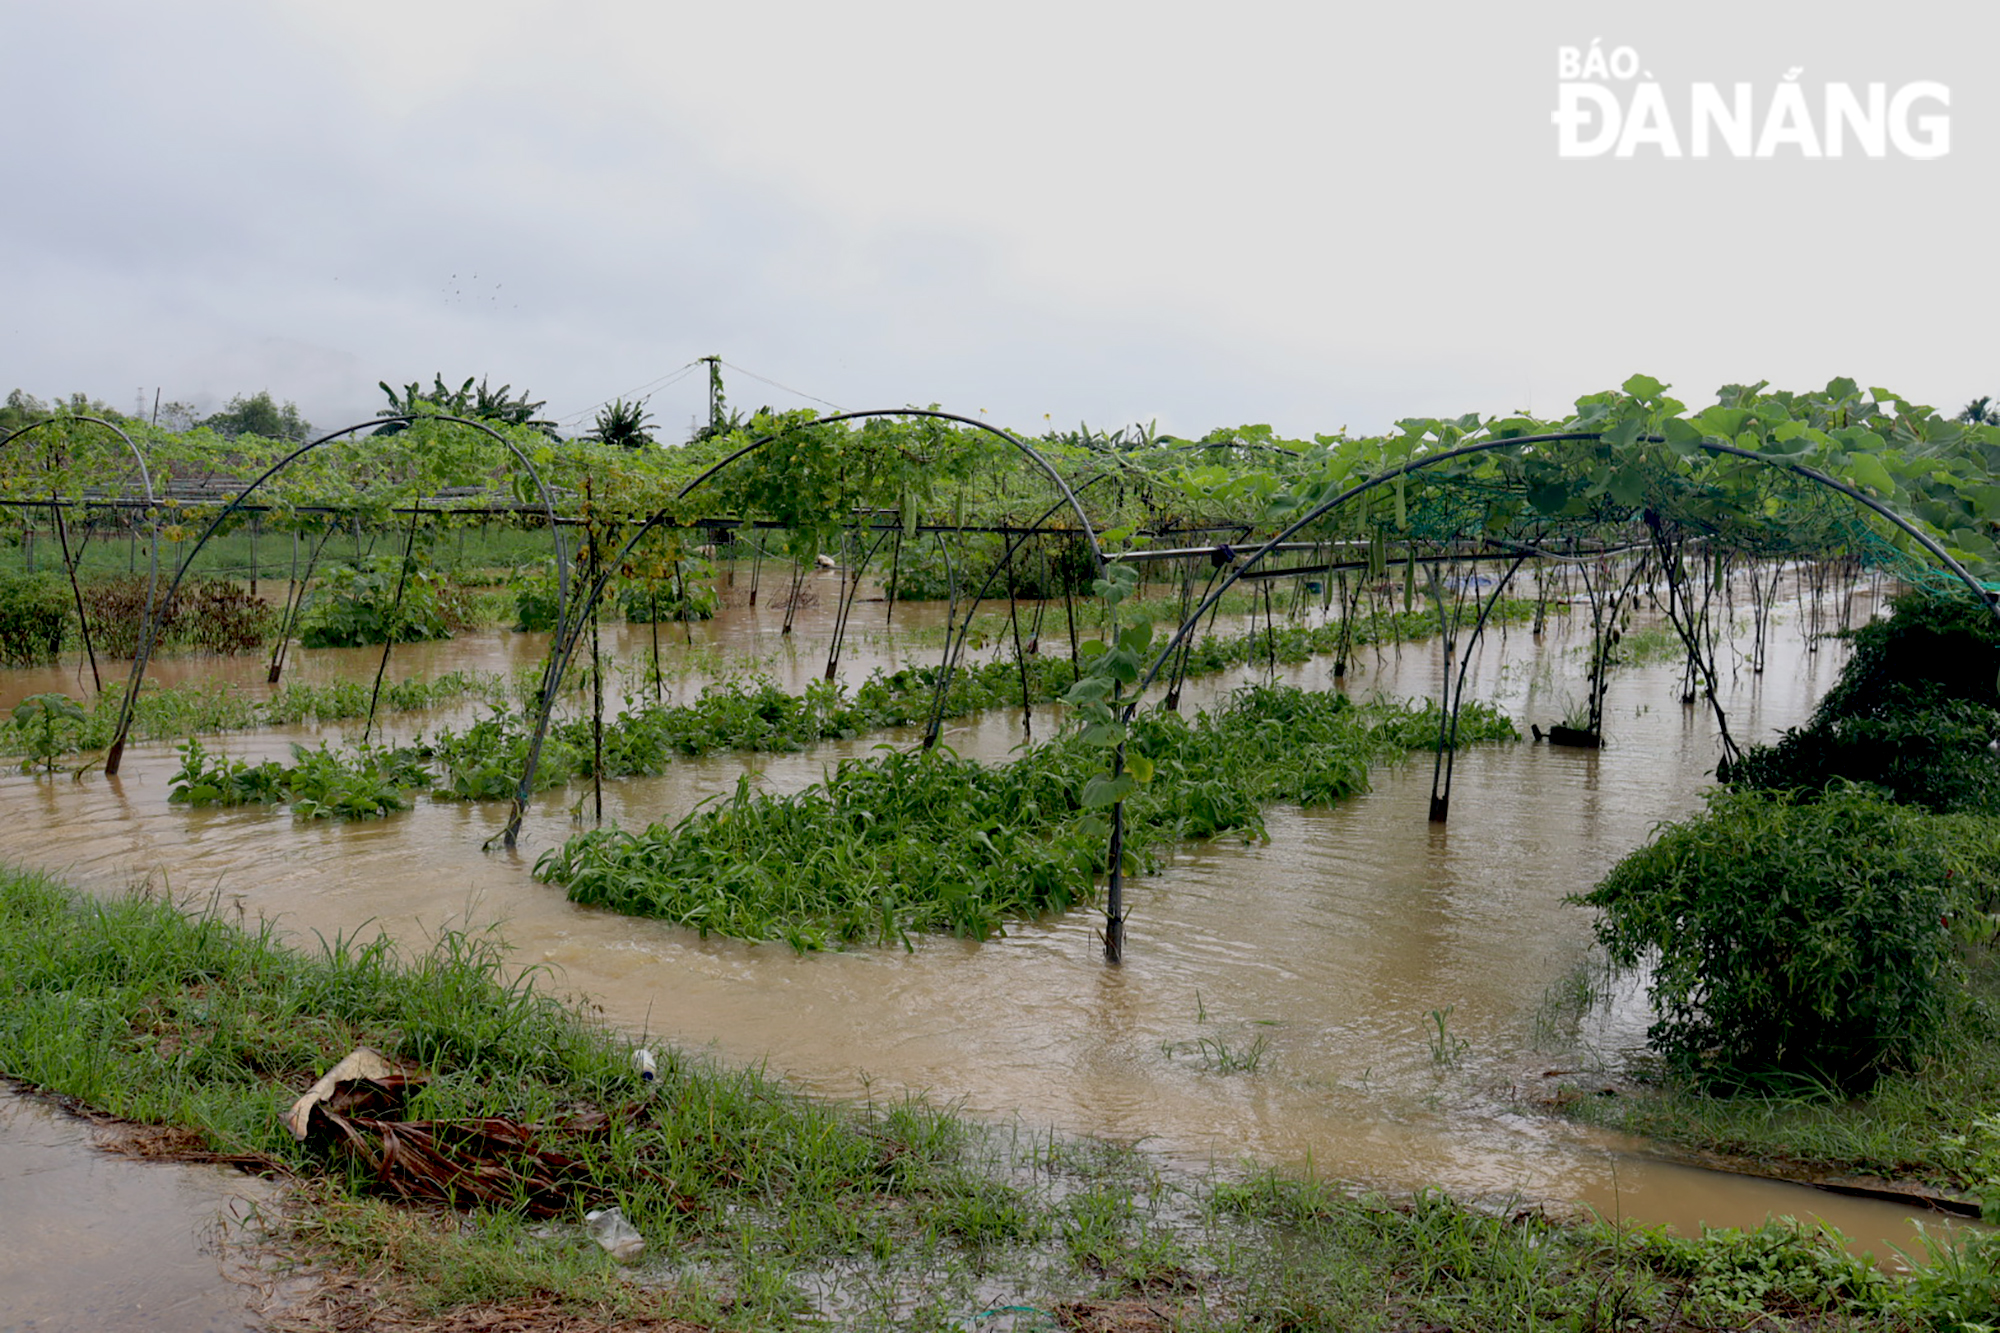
1928,649
116,607
358,605
34,619
1914,711
206,614
1937,756
217,616
1796,939
535,603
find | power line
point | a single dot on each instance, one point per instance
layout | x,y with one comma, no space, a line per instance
774,384
649,388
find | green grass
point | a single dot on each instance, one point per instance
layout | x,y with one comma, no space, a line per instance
765,1210
180,1018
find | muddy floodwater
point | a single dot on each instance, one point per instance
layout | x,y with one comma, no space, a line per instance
1385,978
103,1244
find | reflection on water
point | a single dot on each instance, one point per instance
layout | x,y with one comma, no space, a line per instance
1383,974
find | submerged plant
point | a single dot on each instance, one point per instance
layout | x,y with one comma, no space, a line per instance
320,783
485,760
1217,1054
928,841
45,722
1446,1049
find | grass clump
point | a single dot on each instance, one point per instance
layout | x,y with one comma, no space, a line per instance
926,841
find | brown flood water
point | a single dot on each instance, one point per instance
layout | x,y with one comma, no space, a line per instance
101,1244
1358,946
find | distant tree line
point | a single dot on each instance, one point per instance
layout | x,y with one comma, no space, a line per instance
256,414
627,425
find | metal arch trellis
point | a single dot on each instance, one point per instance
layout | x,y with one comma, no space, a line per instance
1114,932
569,632
1987,597
149,622
571,614
954,653
235,505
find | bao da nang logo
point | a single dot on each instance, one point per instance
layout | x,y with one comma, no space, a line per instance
1608,105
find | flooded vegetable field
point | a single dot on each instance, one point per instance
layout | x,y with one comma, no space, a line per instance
1368,994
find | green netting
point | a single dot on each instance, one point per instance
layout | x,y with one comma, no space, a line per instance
1453,509
1788,517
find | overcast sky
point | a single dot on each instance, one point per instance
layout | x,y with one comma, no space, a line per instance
1309,214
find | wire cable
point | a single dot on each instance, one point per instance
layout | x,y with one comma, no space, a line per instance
649,388
774,384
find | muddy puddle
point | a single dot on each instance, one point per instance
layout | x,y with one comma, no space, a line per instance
97,1243
1367,993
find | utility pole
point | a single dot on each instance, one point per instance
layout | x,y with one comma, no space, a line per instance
715,399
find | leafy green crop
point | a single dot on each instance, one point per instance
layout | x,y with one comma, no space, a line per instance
485,760
320,783
362,604
926,841
46,723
